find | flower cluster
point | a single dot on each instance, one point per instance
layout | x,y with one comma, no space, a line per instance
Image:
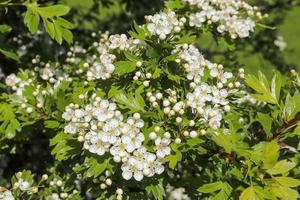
209,101
233,16
100,64
103,129
177,194
163,24
24,182
6,195
27,81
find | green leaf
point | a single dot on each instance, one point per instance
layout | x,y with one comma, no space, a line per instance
124,67
9,124
291,106
67,35
270,154
281,167
174,157
174,4
131,56
284,193
9,54
32,18
156,189
53,11
49,26
223,187
255,193
65,146
266,121
129,102
261,85
96,166
52,124
211,187
288,181
4,28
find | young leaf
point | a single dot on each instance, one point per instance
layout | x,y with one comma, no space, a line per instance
262,87
32,18
157,190
270,154
124,67
281,167
288,181
255,193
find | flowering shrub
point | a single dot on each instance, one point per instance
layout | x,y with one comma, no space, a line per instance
145,115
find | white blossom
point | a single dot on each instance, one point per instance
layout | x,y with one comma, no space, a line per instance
6,195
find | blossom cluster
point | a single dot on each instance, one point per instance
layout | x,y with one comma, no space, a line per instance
6,195
233,16
27,80
163,24
99,64
24,182
103,129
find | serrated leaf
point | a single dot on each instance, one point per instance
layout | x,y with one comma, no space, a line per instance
223,190
131,56
96,166
281,167
157,190
291,106
270,154
287,181
211,187
32,18
64,23
266,121
261,85
124,67
129,101
284,193
174,157
53,11
49,26
255,193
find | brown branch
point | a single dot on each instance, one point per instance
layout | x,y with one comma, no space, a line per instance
286,125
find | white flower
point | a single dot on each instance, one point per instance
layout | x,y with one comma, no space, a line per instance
6,195
162,24
11,80
94,143
119,149
132,167
227,15
54,196
71,128
162,147
118,41
111,130
23,185
152,166
46,73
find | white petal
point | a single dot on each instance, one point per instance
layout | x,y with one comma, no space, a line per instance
127,174
138,175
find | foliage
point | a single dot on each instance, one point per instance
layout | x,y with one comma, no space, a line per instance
150,114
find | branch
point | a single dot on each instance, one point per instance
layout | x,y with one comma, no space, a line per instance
282,129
